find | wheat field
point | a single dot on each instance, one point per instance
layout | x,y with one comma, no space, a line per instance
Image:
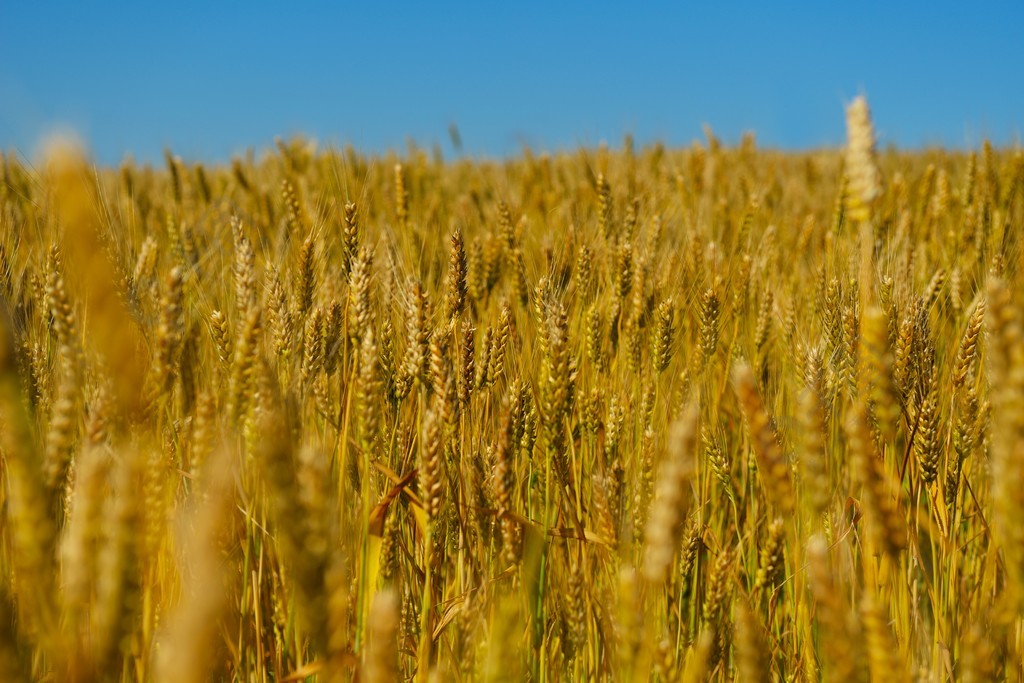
711,413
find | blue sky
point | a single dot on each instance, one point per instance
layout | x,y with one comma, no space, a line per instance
213,79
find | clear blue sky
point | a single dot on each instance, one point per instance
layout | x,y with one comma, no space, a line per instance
212,79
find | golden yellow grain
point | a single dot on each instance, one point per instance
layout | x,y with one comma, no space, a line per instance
650,413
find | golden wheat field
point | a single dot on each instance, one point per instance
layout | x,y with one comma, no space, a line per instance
626,414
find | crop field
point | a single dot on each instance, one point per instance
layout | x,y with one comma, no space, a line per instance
625,413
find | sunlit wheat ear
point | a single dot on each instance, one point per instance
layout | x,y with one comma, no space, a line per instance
504,483
594,340
603,512
498,264
583,272
144,275
401,198
36,376
849,350
967,352
877,362
483,363
360,317
520,281
455,294
174,170
763,323
740,294
368,388
719,462
965,438
430,466
279,314
333,337
243,365
496,361
170,332
244,270
927,441
664,336
57,301
638,302
417,342
557,389
297,221
467,367
933,289
442,375
612,427
710,321
306,278
671,499
60,435
865,185
903,362
202,182
692,547
817,485
221,334
623,273
313,348
605,209
63,427
576,611
350,237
